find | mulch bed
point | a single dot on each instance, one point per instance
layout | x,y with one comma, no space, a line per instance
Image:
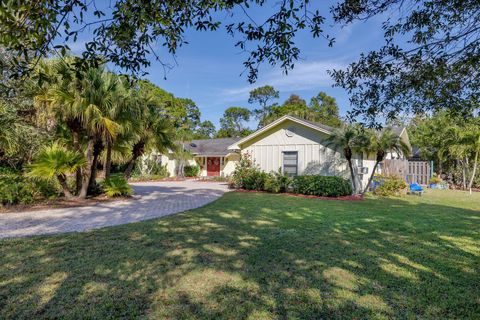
176,179
344,198
60,203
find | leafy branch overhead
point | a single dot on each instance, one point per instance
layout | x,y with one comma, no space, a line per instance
128,32
429,60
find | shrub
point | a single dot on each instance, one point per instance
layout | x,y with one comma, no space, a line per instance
326,186
254,179
277,182
191,171
435,179
117,186
150,167
390,186
16,188
241,171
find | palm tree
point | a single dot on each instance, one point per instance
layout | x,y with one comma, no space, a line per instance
126,107
464,142
347,139
474,139
84,101
154,132
97,98
57,100
56,161
380,143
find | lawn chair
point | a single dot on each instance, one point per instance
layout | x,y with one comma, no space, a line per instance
415,188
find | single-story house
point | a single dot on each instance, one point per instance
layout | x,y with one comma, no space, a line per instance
289,144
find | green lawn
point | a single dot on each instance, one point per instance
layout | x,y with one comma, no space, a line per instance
259,256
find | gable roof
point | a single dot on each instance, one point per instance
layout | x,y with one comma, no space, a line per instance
210,147
400,131
314,125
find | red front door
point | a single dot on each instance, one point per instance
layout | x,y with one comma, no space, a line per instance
213,166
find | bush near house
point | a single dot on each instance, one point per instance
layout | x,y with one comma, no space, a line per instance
324,186
389,186
249,177
277,182
255,180
191,171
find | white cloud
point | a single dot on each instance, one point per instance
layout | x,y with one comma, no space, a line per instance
305,76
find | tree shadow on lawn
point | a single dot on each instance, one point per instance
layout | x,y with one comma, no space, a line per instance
269,257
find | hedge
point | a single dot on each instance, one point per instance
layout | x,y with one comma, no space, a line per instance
191,171
325,186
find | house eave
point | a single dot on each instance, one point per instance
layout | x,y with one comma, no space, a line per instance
236,146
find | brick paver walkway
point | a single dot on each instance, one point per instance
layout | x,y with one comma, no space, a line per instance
152,200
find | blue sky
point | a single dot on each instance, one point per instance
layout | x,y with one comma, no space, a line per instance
208,68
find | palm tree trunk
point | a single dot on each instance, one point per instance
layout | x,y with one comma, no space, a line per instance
63,183
78,173
352,173
87,172
130,166
371,177
108,160
474,172
97,149
137,151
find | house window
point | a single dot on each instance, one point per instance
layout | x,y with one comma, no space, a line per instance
290,163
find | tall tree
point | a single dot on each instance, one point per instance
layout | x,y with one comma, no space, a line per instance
349,139
232,124
205,130
81,100
153,132
57,101
473,138
324,109
96,99
262,96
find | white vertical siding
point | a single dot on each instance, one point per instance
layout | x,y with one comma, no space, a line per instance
313,156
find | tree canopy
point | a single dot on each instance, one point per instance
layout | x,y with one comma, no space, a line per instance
322,108
429,60
232,124
451,141
127,31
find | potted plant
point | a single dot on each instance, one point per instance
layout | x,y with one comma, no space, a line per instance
435,182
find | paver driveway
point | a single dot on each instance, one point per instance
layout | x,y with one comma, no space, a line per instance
152,200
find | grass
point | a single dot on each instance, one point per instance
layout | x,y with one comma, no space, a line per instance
259,256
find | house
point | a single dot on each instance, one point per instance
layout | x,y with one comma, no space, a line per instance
289,144
212,155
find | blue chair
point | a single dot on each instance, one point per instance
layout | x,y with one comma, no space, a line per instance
415,188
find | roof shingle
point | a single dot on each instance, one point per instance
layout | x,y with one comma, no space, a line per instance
211,147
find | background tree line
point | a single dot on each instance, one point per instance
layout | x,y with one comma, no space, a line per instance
452,142
322,109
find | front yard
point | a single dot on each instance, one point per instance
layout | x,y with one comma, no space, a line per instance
259,256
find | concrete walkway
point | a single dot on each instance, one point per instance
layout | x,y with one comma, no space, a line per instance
152,200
